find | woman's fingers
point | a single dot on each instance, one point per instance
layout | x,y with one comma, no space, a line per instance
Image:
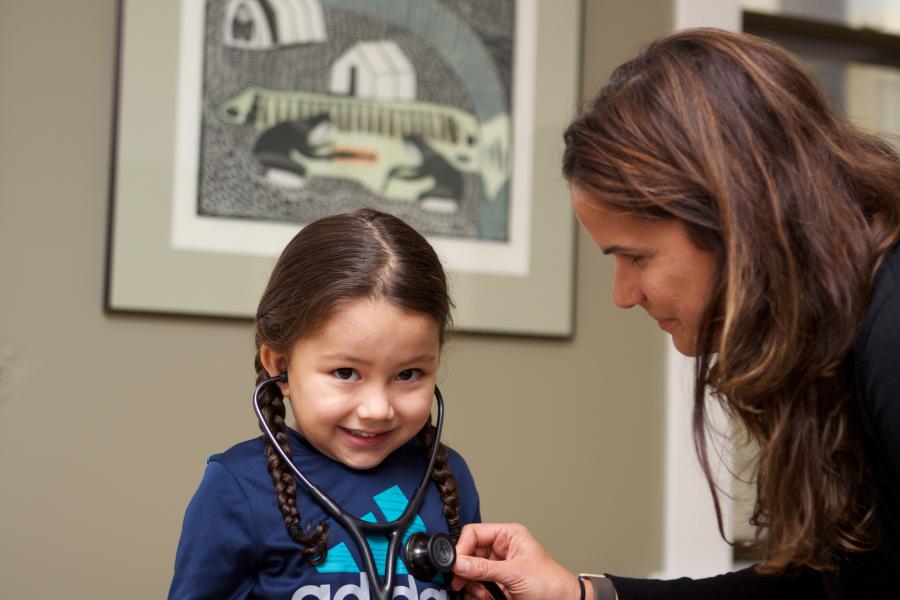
482,539
509,555
482,550
483,569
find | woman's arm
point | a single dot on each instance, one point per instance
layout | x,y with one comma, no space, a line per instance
740,585
509,555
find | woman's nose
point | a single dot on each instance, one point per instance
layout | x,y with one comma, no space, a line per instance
376,405
627,288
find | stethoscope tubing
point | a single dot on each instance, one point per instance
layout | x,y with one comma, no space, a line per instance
357,528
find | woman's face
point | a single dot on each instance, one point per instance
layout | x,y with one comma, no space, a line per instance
658,267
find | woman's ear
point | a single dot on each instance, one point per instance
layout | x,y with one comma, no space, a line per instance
275,363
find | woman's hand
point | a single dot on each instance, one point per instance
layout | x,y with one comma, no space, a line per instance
509,555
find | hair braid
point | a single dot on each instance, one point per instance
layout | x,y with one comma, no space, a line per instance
443,477
271,404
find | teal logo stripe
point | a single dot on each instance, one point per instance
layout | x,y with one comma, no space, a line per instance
391,502
339,561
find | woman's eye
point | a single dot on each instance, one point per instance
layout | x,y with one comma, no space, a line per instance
633,258
409,374
346,374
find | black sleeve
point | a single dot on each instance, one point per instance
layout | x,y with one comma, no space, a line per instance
740,585
879,371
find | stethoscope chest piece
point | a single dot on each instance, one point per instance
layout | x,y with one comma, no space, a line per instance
425,556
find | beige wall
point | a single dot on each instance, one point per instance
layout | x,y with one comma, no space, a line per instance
106,420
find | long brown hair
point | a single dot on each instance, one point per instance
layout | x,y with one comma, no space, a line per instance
729,134
332,261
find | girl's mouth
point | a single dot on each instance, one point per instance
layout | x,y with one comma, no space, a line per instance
365,439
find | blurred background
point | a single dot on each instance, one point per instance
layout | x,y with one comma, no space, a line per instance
106,419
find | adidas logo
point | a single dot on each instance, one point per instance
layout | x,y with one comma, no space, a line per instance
361,591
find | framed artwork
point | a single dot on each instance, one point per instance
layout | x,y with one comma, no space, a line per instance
239,121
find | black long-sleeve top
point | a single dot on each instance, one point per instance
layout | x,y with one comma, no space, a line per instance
876,364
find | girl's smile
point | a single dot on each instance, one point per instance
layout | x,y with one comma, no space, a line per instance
365,439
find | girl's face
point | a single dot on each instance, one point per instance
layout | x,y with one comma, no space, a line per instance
658,267
363,385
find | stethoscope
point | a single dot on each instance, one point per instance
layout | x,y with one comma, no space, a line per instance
425,556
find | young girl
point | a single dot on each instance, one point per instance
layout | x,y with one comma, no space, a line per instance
354,314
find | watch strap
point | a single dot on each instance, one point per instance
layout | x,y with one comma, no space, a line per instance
602,585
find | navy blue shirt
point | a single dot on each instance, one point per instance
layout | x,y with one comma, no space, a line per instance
234,543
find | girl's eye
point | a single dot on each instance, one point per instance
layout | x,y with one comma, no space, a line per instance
409,374
346,374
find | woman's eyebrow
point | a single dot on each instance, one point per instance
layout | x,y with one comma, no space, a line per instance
616,249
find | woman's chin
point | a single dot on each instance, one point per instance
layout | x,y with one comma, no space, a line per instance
685,347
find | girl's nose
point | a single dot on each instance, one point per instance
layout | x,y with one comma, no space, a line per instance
375,405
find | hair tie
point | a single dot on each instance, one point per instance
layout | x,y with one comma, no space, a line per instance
296,531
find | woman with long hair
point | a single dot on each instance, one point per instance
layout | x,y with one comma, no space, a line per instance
760,228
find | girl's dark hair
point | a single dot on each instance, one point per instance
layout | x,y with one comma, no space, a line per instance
728,134
331,262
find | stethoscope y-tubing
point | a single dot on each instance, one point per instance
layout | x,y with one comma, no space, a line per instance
357,528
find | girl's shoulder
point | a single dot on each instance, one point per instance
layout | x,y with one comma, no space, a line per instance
458,464
244,460
243,468
250,454
464,478
470,501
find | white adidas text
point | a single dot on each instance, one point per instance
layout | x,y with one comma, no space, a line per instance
361,591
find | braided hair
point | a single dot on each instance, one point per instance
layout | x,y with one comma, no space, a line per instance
446,482
331,262
271,403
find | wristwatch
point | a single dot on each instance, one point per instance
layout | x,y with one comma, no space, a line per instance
603,587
